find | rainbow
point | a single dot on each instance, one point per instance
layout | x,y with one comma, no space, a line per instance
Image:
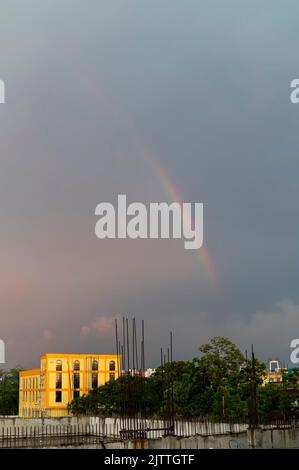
159,172
175,195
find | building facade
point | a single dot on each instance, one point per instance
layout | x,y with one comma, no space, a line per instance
274,373
46,392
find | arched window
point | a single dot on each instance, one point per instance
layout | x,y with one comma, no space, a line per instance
112,365
77,365
95,365
58,365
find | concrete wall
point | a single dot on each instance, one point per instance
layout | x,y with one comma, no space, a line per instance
264,439
287,438
201,435
16,421
234,441
112,426
181,429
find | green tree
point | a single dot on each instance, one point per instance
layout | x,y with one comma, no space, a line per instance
9,391
220,384
290,378
226,379
127,394
274,402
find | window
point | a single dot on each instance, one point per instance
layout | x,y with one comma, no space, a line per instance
58,365
76,381
76,393
58,396
95,365
59,380
112,376
112,365
76,376
94,380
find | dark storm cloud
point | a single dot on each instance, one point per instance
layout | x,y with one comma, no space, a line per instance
92,92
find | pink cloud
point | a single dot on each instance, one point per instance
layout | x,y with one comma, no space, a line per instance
100,325
47,334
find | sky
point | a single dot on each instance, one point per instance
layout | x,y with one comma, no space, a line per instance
158,100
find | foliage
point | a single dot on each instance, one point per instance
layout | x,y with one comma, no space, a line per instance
9,392
217,384
221,384
132,394
274,402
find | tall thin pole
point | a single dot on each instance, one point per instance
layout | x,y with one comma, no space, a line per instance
128,345
143,346
172,387
133,344
122,355
254,408
136,344
124,344
117,345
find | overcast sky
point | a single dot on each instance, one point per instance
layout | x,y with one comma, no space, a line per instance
111,97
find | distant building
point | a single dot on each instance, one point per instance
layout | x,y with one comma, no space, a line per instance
138,372
149,372
274,373
46,392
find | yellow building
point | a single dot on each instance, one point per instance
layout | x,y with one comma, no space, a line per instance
46,392
274,373
273,377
